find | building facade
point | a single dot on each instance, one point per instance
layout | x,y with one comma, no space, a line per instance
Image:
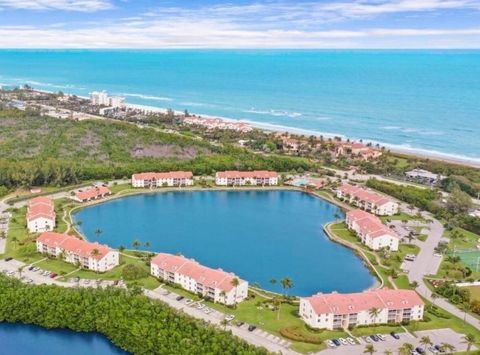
91,256
40,215
93,193
215,284
367,200
343,311
423,177
172,178
243,178
371,231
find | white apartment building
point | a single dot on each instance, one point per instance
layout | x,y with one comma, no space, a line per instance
40,215
367,200
102,99
172,178
242,178
371,231
91,256
341,311
214,284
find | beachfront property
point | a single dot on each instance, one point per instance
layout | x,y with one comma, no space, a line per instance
40,214
371,231
91,256
356,149
343,311
367,200
423,177
214,284
217,123
103,99
291,144
172,178
92,193
242,178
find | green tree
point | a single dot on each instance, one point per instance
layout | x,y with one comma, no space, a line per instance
287,284
235,282
136,244
470,340
459,201
369,349
425,341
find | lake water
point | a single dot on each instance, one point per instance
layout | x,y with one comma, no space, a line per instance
22,339
424,100
259,235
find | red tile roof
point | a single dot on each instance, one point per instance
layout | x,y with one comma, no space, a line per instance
235,174
214,278
41,206
92,193
166,175
364,194
336,303
74,245
369,224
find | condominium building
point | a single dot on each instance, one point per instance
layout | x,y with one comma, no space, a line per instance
40,215
172,178
103,99
367,200
215,284
92,256
342,311
371,231
423,176
92,193
242,178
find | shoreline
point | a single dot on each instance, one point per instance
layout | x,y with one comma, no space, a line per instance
377,283
419,153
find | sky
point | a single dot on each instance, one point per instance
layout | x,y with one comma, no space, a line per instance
239,24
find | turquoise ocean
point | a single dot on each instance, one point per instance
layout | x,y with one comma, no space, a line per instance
424,101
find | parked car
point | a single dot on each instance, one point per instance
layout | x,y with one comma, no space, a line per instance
381,337
351,341
420,350
336,342
207,310
343,341
239,324
366,339
31,268
179,298
53,275
188,301
8,259
201,306
230,317
433,350
35,269
395,335
331,344
251,328
374,338
439,349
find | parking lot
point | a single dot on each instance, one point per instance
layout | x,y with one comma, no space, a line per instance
437,336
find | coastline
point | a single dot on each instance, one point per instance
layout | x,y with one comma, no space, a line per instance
419,153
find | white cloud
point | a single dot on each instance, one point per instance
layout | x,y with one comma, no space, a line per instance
67,5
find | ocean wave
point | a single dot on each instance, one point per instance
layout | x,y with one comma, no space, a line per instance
273,112
197,104
21,81
420,131
147,97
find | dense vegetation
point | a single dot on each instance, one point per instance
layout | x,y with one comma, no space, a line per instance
39,150
131,321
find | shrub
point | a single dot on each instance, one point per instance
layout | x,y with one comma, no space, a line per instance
297,334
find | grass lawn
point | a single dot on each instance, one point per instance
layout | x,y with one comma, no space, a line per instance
401,217
402,282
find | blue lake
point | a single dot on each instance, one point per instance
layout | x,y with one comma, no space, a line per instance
22,339
259,235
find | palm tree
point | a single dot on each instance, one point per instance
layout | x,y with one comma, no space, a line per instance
224,323
406,349
287,284
448,348
146,245
425,341
136,244
273,282
374,312
95,252
235,282
98,231
469,339
369,349
14,241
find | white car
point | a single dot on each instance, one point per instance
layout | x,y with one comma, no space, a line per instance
230,317
366,339
188,301
351,341
201,306
343,341
207,310
331,344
